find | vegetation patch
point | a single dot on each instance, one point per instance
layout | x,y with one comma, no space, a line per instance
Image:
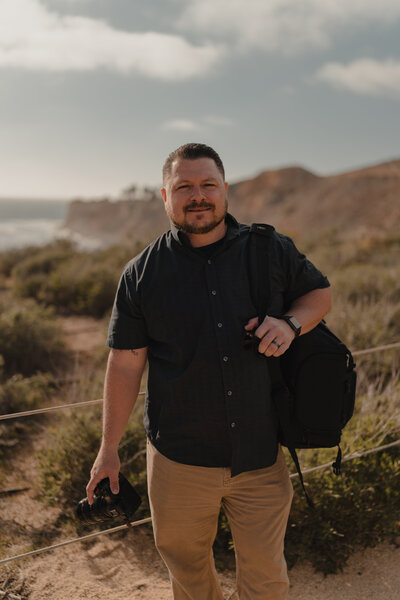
21,394
72,281
11,258
356,510
30,339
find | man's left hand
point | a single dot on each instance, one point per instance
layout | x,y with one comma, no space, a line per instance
275,335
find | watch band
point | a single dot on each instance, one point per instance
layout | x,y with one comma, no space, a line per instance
293,323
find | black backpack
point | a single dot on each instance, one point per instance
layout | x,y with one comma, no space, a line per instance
314,381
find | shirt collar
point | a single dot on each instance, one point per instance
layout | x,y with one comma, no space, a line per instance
233,230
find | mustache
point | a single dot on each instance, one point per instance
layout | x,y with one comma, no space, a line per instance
197,205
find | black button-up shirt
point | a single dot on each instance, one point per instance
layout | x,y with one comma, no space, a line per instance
208,397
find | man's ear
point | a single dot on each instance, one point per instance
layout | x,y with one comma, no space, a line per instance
164,194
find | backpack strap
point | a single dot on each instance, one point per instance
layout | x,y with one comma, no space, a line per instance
260,237
336,466
295,459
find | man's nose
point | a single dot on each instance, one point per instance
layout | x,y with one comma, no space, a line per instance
197,193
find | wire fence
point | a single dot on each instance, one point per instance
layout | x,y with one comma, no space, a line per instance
74,541
38,411
376,349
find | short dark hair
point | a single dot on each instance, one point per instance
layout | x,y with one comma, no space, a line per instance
191,152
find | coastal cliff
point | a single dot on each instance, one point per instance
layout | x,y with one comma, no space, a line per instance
349,205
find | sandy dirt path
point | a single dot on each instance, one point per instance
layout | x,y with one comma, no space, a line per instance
130,569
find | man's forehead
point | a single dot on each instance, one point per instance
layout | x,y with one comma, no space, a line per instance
184,168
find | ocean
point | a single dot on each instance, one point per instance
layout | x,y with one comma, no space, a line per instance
30,222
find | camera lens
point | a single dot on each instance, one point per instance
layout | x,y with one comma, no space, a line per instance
104,507
107,505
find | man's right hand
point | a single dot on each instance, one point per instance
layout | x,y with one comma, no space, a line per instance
107,464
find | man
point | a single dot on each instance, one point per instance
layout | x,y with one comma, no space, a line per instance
184,303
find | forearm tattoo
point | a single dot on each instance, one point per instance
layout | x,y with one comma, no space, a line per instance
135,352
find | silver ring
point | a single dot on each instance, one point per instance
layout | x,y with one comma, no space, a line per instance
276,343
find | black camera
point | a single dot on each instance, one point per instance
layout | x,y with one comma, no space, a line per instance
106,505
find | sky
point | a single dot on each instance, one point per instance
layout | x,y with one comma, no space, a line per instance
94,94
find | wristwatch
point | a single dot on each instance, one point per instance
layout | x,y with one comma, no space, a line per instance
293,322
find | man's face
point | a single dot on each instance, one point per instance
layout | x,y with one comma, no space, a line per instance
195,195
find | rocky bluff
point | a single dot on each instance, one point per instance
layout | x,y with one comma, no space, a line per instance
351,205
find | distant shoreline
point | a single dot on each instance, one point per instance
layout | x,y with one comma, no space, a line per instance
30,222
32,209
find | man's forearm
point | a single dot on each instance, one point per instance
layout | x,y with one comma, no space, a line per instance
311,308
122,385
123,376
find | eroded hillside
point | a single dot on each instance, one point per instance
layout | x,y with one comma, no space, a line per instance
350,205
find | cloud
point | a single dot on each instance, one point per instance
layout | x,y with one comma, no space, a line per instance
32,37
181,125
203,124
286,26
71,2
364,76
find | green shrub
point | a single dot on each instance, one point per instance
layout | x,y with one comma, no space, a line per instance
10,258
30,339
71,281
81,286
21,394
358,509
25,393
30,275
115,257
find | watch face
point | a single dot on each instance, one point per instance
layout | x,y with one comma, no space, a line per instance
295,322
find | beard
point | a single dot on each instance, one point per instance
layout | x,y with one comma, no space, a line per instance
192,227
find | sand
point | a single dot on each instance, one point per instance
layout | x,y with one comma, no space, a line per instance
127,567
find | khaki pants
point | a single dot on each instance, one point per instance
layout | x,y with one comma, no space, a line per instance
185,503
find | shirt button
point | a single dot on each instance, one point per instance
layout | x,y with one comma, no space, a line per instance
209,261
225,359
219,324
230,393
213,292
233,424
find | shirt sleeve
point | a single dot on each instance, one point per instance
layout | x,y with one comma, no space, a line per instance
301,275
127,329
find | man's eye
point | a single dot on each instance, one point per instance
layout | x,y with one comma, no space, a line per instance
182,187
210,185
